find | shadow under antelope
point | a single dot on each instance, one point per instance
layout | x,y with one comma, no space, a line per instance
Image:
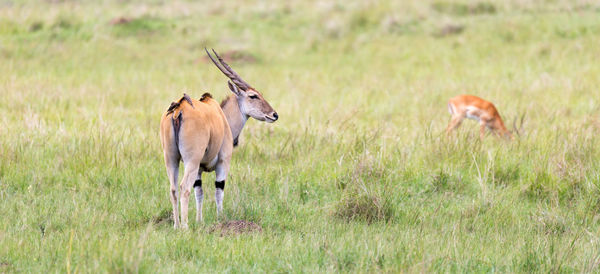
202,134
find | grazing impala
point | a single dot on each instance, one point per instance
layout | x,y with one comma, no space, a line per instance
202,134
473,107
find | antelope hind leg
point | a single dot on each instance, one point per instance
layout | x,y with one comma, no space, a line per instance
199,196
172,173
189,176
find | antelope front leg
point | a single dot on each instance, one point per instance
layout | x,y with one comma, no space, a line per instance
482,131
221,170
199,197
454,123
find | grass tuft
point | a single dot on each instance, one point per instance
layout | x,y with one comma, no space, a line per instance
367,207
363,197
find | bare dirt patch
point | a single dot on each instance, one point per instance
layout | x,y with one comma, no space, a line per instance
450,29
235,227
233,56
120,21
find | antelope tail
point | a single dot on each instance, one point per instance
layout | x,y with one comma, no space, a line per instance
176,118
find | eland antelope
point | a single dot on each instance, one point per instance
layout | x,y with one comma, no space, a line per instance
473,107
202,134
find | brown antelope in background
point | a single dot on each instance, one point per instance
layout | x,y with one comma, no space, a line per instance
473,107
202,134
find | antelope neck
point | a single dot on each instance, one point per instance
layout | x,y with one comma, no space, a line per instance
234,115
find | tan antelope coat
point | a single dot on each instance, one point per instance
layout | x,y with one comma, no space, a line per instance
202,133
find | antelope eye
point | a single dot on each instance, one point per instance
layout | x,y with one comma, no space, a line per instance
253,96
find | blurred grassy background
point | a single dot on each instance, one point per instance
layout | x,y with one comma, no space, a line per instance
356,175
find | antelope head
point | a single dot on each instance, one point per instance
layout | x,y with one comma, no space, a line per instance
250,101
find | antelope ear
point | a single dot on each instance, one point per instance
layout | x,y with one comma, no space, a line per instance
234,88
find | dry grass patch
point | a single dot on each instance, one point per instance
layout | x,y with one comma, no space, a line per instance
450,29
233,56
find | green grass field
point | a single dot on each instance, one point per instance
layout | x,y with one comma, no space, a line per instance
357,175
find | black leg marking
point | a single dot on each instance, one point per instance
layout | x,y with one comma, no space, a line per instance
198,183
220,185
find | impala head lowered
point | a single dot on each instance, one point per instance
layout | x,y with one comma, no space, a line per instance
250,101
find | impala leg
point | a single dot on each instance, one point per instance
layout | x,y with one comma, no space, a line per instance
221,171
199,196
172,173
189,176
454,123
482,130
496,132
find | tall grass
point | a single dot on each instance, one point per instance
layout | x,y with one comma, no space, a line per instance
356,175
